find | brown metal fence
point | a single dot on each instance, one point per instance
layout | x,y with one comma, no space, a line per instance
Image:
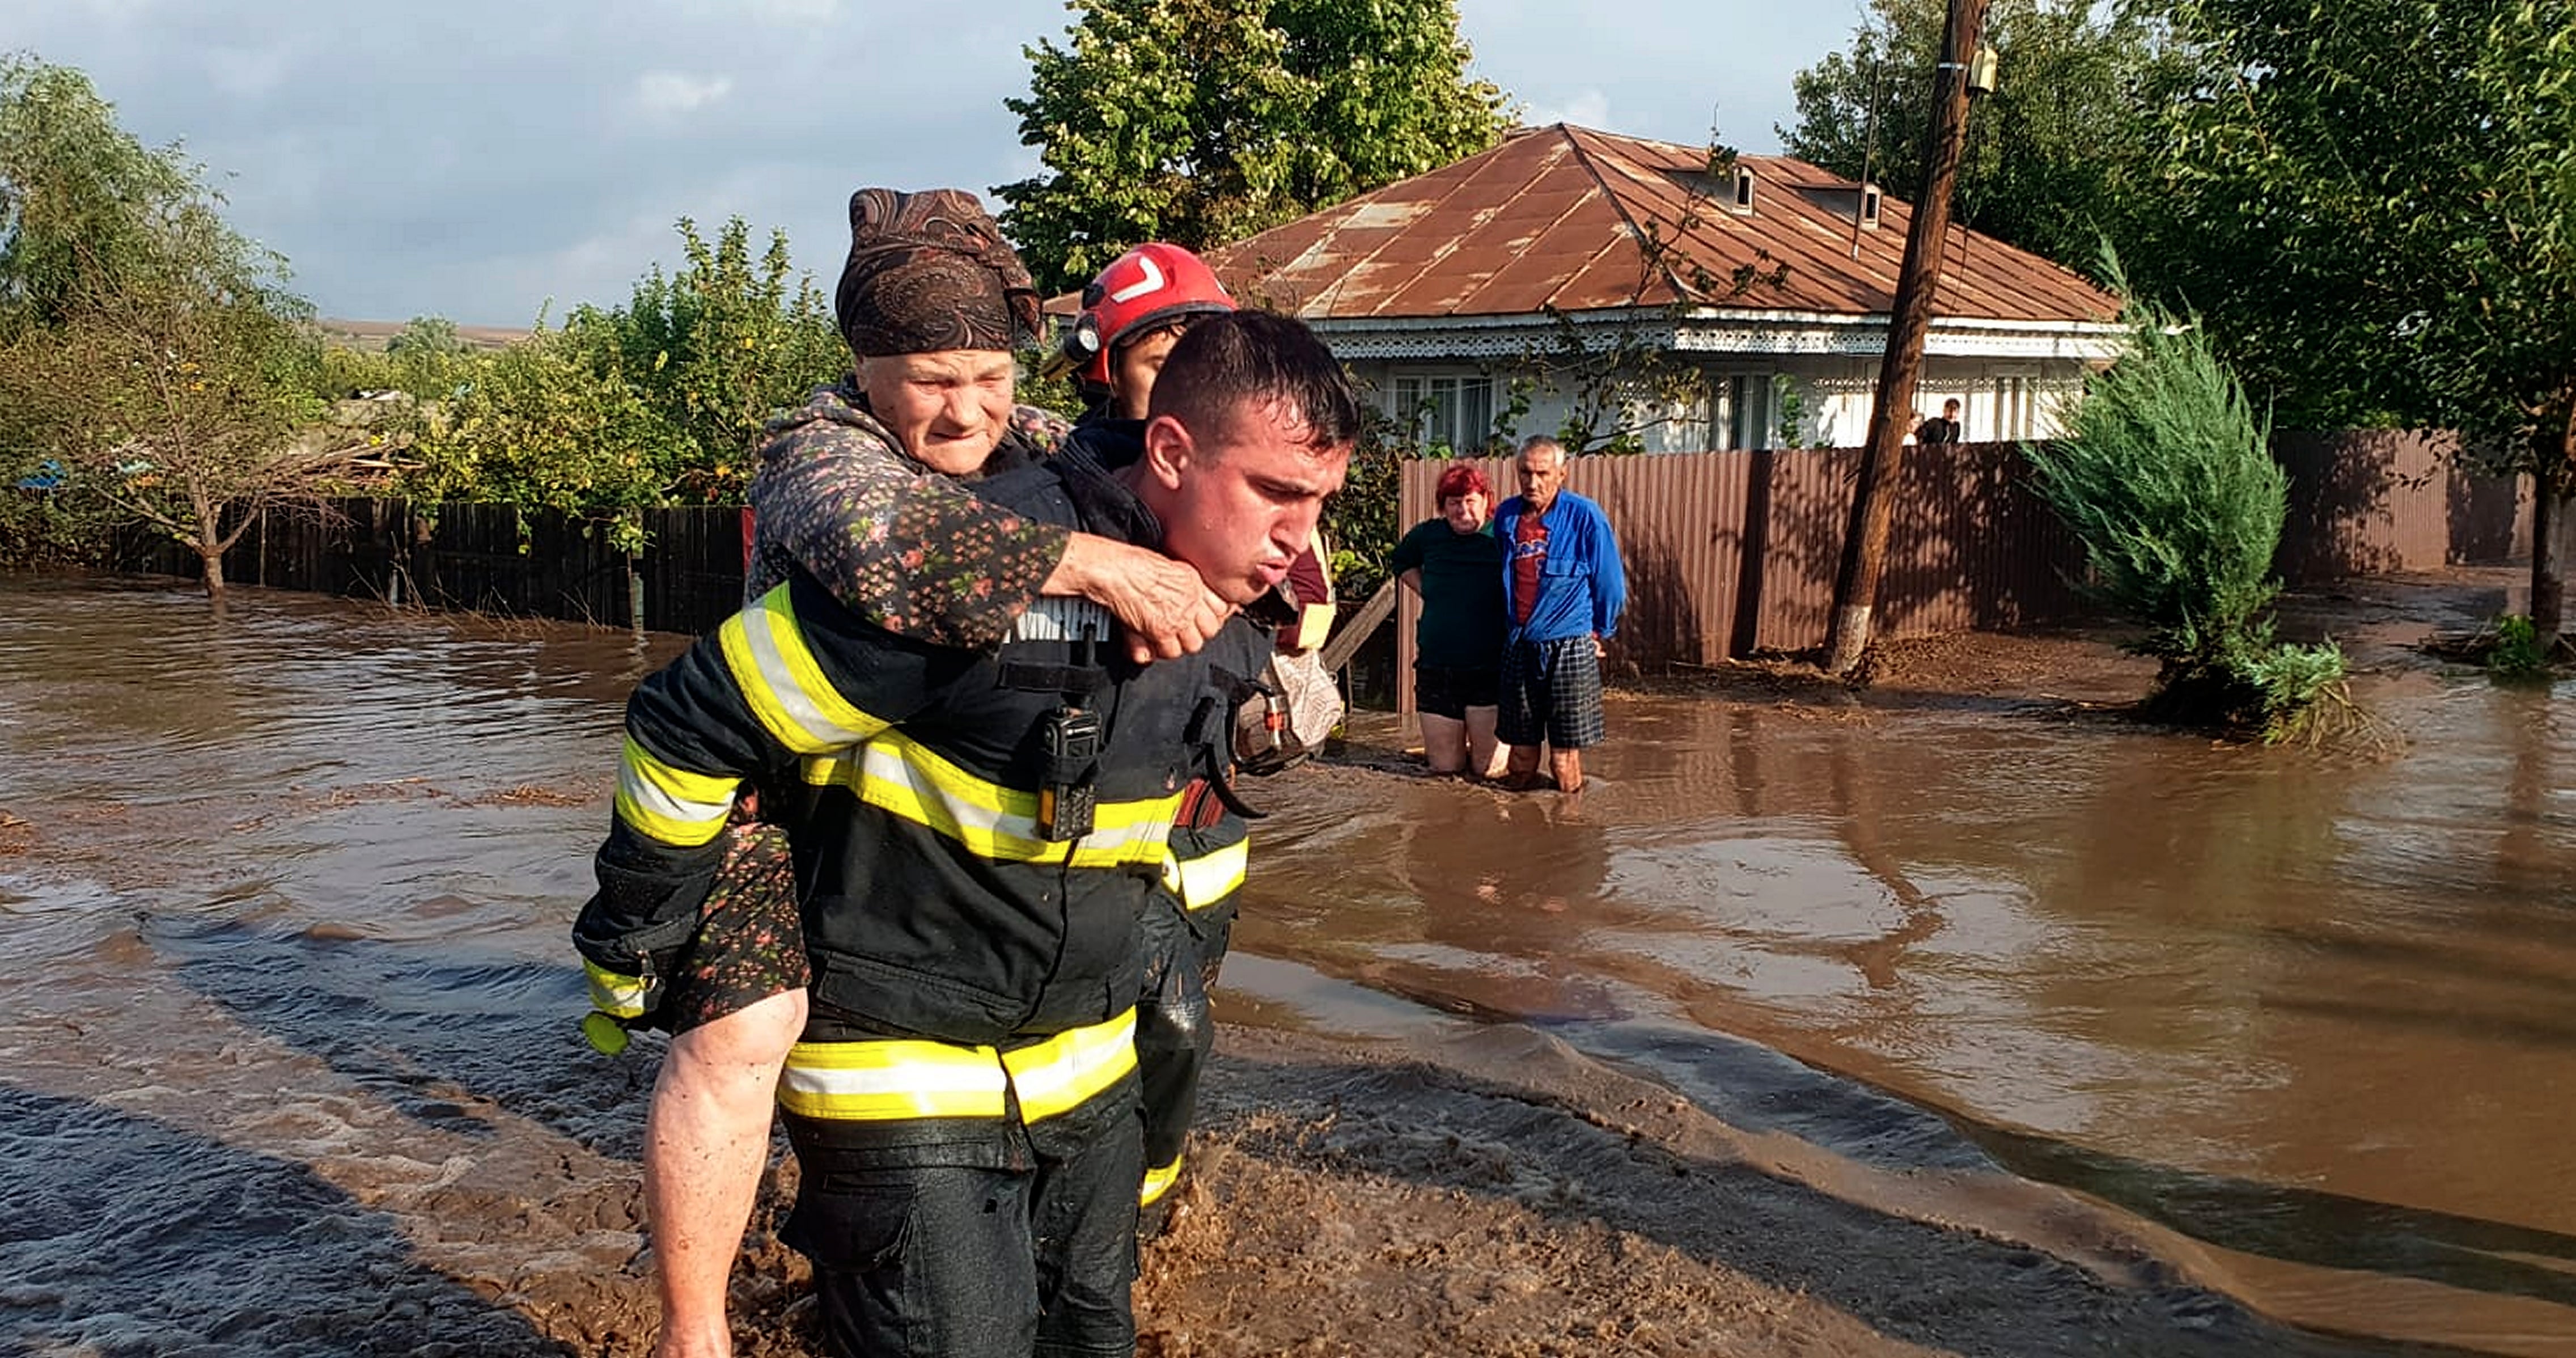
2373,502
1729,554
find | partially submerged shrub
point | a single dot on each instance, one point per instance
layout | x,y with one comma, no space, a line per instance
2167,479
2517,656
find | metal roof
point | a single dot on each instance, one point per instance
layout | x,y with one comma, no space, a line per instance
1561,217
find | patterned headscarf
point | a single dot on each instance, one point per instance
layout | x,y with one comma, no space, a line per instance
930,271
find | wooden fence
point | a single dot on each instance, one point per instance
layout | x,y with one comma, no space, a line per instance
1727,553
490,559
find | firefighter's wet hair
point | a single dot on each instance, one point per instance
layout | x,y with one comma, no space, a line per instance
1242,360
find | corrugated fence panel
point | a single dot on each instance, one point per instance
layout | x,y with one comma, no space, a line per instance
1803,511
2367,502
1972,547
1681,526
1727,553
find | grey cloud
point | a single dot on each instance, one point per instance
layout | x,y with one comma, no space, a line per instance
474,158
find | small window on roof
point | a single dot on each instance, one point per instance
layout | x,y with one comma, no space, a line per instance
1869,196
1743,190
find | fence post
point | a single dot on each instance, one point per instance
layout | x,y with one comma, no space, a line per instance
635,575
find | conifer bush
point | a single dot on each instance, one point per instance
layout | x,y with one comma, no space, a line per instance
2166,477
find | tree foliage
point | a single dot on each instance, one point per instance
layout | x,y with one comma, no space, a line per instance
2166,477
1359,520
2375,204
661,400
78,194
2058,156
541,423
1204,121
150,352
719,347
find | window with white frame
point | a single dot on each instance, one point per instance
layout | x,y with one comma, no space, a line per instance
2016,407
1741,413
1449,410
1677,421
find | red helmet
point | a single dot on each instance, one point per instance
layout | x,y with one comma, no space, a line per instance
1140,290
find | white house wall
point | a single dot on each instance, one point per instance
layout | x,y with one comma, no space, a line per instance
2000,399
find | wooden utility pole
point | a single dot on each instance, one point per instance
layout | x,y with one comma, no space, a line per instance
1926,241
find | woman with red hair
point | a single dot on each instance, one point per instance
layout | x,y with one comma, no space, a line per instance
1455,563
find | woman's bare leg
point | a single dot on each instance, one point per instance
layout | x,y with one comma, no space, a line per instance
1444,743
1485,755
706,1141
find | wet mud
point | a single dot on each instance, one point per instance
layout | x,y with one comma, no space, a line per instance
1962,1016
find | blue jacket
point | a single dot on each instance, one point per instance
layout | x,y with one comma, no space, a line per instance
1582,588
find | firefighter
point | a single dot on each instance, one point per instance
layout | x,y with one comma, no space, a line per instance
969,828
856,489
1133,313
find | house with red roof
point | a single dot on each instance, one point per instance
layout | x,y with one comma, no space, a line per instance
1751,297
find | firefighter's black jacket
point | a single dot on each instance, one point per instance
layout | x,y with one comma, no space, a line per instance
910,777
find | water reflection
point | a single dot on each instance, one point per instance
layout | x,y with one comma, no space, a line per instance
2333,998
130,1236
2318,1013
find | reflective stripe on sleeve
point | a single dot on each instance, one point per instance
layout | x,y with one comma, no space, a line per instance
611,993
1209,878
783,685
671,804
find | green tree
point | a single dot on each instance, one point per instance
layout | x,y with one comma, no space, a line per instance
1203,121
544,423
147,350
78,194
2166,477
2056,157
2374,204
659,400
1359,520
177,389
718,348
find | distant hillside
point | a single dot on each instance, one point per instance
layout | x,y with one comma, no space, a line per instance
372,336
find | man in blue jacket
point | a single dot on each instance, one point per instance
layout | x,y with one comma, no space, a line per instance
1565,588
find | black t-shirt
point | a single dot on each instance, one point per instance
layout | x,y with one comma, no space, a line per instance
1462,593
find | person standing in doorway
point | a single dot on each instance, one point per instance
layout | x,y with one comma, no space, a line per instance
1455,563
1563,589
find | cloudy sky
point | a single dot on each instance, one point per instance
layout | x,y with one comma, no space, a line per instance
478,159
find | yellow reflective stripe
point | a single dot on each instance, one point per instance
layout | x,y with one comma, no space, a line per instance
786,689
1209,878
904,1078
1061,1073
1314,625
891,1079
1159,1180
670,804
903,777
611,993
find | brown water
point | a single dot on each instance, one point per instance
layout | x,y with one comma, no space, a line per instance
284,891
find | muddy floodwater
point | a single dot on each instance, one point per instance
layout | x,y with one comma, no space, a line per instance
284,896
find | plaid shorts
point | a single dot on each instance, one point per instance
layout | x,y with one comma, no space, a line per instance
750,943
1552,693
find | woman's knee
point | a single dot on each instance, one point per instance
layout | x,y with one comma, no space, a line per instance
758,1034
